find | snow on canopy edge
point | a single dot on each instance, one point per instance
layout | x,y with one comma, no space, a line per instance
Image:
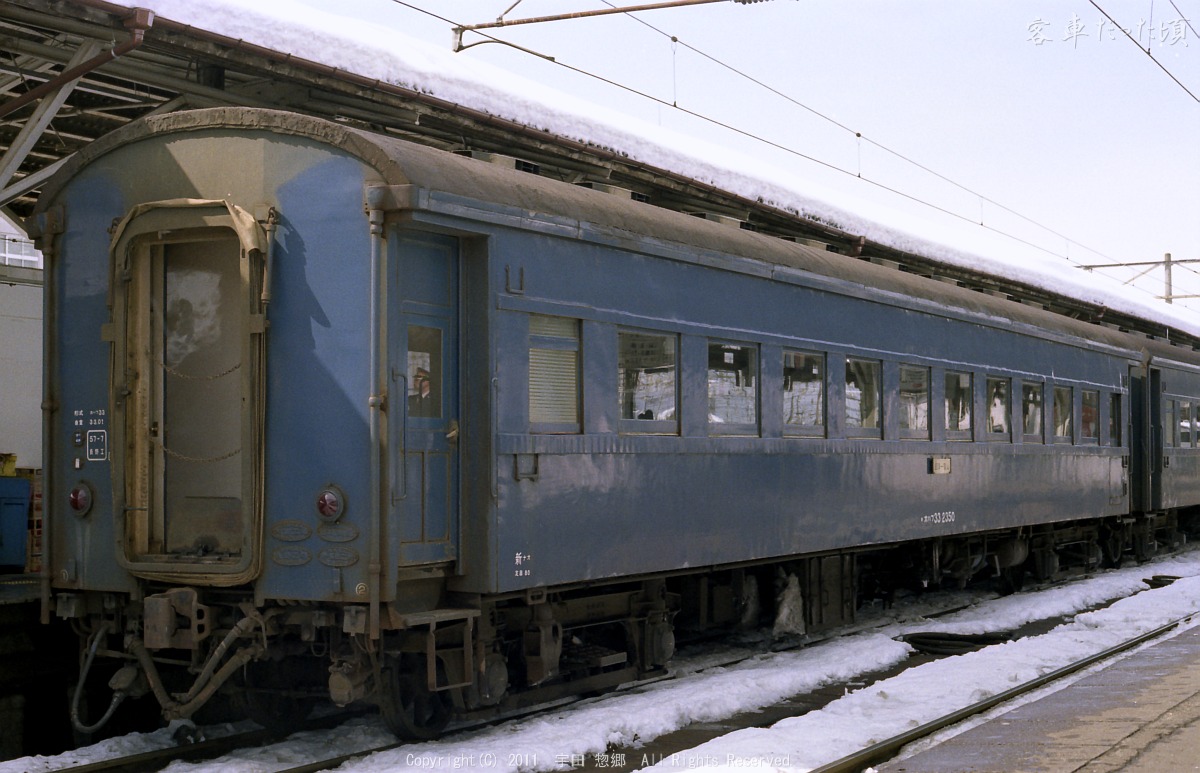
373,51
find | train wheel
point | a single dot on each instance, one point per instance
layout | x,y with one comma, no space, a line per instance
1011,580
410,709
1112,542
266,701
1144,545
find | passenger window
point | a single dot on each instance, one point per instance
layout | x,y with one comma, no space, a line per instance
1089,416
863,397
554,374
959,399
804,393
1168,423
1063,405
1114,420
647,378
732,388
997,409
914,402
1031,411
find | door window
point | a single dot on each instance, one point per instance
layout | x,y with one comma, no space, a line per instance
425,380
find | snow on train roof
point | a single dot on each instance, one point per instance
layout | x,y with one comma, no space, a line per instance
377,52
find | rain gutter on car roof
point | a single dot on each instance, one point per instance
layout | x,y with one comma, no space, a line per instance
857,244
455,108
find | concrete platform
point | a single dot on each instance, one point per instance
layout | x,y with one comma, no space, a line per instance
19,588
1141,714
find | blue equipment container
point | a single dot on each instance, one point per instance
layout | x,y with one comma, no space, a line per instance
14,521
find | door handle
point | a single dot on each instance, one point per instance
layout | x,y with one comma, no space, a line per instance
452,435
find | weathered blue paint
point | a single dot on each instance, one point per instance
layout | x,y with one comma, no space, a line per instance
14,520
82,547
598,504
605,504
318,382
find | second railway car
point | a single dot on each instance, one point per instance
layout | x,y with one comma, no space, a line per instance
335,416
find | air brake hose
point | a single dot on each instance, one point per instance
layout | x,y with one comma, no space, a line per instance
118,695
243,626
207,684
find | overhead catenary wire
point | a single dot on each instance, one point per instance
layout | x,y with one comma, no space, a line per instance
813,159
1146,50
1186,20
861,138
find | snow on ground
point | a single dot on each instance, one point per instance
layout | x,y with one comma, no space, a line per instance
553,741
386,54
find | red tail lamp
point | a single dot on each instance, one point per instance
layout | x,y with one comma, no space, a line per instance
80,499
331,503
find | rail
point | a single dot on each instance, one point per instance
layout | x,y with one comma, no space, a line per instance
887,749
938,645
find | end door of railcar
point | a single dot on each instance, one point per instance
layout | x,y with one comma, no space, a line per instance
187,389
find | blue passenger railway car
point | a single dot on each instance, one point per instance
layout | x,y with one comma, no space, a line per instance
338,417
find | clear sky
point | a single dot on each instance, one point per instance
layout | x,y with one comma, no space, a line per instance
1045,108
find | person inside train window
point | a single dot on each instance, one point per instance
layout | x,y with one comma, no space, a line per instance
958,405
1064,403
1031,409
1089,417
997,417
422,403
424,372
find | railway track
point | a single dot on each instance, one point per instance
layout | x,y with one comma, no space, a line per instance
214,748
665,746
200,749
685,748
887,749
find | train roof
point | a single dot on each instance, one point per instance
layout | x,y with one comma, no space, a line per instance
206,52
399,162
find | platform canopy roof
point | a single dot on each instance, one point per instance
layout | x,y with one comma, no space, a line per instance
72,71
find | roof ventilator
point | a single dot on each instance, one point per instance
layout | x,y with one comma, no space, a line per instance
508,162
725,220
615,190
816,244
